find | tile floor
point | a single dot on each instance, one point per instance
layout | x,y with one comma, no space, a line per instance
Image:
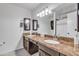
20,52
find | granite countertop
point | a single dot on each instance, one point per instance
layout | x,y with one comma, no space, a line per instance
63,47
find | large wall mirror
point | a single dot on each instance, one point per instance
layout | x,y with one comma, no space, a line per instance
66,21
27,24
35,25
66,24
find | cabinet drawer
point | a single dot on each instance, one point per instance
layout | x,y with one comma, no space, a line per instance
42,53
25,43
62,54
48,50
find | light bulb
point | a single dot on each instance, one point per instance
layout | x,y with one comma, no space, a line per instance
43,13
50,11
46,11
38,14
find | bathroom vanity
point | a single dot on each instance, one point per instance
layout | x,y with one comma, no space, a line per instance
64,48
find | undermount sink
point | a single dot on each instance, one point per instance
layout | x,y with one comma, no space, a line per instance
51,41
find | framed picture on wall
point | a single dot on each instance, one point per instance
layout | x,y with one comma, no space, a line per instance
52,25
27,24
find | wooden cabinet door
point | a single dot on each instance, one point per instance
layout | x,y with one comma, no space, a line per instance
26,43
42,53
47,51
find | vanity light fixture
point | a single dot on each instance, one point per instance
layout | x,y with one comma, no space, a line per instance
44,12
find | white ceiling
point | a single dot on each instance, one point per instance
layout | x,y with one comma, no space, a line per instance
34,6
29,6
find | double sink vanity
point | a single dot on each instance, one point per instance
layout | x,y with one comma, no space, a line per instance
48,45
